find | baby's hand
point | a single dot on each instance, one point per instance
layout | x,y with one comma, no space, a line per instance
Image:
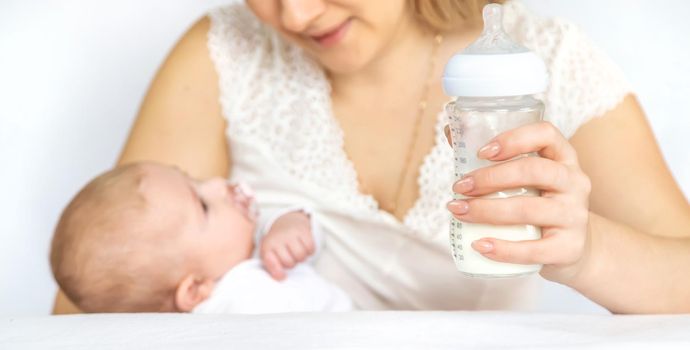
287,243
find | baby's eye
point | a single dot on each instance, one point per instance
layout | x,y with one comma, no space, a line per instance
204,206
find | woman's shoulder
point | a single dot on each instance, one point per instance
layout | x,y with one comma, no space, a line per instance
584,81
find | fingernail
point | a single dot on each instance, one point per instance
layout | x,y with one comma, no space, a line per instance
483,246
458,207
464,185
489,151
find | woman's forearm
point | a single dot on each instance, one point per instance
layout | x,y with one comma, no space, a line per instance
628,271
63,305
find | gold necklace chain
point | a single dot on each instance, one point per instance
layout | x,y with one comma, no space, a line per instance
423,103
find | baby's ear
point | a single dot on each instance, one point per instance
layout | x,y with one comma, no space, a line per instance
192,291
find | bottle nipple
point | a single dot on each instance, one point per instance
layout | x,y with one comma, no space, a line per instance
494,40
493,19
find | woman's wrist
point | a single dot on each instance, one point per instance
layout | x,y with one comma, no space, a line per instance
628,271
579,273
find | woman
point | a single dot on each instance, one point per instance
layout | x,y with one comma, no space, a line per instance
324,103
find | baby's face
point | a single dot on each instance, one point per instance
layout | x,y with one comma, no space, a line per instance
216,220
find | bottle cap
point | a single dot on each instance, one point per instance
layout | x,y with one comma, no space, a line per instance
494,65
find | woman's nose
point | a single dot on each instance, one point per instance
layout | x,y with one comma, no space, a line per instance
297,15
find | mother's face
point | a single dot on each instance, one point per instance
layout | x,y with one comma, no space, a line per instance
343,35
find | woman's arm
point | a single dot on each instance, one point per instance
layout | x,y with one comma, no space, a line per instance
63,306
180,121
639,260
629,271
630,181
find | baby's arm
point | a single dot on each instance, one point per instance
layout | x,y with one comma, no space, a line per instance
289,241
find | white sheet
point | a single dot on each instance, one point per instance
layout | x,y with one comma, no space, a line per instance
356,330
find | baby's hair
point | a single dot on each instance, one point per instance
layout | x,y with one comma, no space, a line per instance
101,256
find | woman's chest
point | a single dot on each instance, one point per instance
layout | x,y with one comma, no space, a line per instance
388,139
356,157
387,148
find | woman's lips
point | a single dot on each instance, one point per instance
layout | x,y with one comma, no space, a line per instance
332,37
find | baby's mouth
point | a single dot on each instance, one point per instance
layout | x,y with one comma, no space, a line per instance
243,198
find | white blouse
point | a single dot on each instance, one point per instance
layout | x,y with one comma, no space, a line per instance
287,144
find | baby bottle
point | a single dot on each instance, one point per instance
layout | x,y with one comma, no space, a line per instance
493,82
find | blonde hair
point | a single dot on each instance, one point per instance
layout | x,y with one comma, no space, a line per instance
446,15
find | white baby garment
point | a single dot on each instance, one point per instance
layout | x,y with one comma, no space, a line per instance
249,289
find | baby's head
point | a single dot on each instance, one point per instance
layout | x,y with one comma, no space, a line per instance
147,238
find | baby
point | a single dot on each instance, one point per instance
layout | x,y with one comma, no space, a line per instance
148,238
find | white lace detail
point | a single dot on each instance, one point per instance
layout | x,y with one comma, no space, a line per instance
276,97
284,105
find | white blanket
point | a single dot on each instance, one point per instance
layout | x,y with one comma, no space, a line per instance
354,330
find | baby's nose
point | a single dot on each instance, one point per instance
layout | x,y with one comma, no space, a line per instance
218,186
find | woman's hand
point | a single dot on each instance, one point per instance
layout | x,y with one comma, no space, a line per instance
288,242
561,211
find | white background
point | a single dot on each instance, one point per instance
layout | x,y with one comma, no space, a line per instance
73,72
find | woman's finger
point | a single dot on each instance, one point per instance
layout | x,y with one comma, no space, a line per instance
534,172
541,137
550,250
521,210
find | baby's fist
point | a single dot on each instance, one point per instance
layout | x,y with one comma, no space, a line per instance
288,242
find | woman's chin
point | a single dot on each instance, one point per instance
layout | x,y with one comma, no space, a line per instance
346,59
341,64
340,69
